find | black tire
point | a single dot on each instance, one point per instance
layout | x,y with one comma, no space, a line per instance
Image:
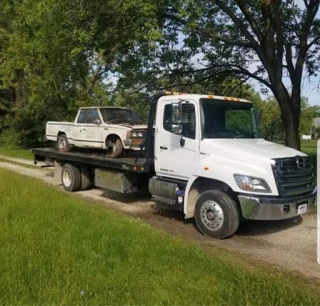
86,178
70,177
217,214
63,143
114,147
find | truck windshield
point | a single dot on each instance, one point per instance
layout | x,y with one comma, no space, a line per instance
119,115
227,119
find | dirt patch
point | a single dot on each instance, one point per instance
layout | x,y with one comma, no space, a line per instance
289,244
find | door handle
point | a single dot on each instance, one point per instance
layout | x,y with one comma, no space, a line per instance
83,129
163,148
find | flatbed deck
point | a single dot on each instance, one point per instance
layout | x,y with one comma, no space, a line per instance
97,158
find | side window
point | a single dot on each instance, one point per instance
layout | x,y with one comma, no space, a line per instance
92,114
188,121
82,116
167,117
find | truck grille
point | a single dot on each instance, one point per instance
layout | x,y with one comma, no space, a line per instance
293,175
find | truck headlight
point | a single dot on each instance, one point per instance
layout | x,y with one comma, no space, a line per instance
249,183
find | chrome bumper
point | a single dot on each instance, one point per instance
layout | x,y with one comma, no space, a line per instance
133,143
255,208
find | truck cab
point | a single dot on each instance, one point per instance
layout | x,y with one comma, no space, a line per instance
209,157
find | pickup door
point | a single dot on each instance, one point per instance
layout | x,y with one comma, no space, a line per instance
86,133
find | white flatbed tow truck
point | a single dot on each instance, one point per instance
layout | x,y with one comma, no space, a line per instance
202,155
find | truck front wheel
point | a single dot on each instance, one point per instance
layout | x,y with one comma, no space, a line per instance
71,177
217,214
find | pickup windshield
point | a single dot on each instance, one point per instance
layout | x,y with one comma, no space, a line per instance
227,119
119,115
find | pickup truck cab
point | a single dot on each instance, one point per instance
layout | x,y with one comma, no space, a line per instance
112,128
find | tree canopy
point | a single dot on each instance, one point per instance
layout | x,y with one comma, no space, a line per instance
264,40
56,55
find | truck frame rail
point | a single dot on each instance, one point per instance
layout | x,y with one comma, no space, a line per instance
132,162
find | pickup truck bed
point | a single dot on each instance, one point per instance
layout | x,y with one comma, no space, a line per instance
131,162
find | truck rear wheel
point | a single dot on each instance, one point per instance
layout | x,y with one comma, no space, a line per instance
114,147
70,177
63,143
217,214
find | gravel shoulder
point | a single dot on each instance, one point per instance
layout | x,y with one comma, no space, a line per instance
289,244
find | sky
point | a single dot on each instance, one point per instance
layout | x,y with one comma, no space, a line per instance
310,89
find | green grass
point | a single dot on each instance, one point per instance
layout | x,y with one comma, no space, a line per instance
59,249
16,153
309,143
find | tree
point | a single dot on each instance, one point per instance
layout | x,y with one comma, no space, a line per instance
271,124
57,55
270,41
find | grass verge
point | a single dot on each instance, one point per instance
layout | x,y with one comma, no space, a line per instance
16,153
58,249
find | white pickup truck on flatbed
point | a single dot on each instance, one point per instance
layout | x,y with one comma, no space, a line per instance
112,128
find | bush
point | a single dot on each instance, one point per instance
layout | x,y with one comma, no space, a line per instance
9,138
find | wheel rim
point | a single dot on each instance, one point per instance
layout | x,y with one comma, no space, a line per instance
212,215
67,177
62,143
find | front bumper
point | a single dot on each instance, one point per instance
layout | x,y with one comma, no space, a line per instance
134,143
274,208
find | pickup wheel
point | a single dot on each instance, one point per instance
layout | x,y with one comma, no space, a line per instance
63,143
217,214
70,177
114,147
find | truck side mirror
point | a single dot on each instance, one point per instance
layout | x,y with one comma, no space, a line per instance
176,113
176,128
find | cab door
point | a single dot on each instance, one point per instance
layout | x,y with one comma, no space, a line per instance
76,136
91,131
176,155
